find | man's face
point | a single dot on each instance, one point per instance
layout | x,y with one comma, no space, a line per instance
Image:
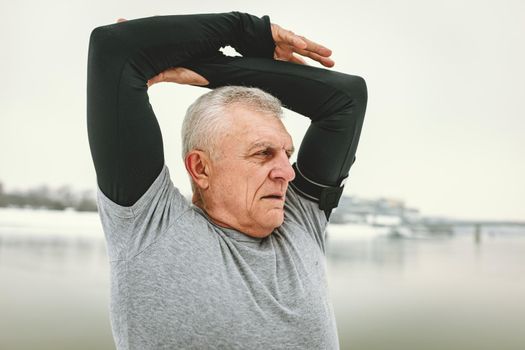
249,178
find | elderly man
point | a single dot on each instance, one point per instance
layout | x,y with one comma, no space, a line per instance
243,266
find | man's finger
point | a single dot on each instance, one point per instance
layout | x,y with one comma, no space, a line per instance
297,42
121,20
316,48
325,61
283,52
297,59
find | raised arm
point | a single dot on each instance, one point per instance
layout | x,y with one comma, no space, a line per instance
124,136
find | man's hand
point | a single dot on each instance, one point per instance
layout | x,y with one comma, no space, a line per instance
288,44
179,75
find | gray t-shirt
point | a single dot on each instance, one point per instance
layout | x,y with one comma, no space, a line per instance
178,281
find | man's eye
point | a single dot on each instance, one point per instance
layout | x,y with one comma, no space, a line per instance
264,153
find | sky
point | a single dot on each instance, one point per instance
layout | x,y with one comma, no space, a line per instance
444,129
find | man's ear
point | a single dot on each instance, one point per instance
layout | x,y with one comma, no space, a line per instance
198,166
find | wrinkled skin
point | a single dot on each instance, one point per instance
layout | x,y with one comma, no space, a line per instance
244,187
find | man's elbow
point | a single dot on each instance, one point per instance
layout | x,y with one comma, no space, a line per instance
99,37
104,42
355,89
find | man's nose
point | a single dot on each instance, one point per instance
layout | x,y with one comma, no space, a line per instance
282,168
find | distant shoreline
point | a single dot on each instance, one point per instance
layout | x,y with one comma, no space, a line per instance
43,197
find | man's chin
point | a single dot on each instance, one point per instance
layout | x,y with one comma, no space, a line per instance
276,219
263,226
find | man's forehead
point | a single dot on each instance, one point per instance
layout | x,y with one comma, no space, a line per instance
254,128
272,135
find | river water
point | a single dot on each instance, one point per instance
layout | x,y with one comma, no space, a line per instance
458,291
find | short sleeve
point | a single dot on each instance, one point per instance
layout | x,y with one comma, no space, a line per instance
130,230
306,214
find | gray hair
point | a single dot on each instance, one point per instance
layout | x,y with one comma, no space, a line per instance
205,120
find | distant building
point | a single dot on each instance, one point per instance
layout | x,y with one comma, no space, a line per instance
377,212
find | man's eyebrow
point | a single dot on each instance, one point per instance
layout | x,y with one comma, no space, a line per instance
270,145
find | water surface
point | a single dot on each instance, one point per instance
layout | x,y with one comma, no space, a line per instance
445,292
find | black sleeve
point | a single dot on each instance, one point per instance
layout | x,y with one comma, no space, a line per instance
124,136
335,103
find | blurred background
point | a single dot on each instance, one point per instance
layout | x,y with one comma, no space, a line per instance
427,249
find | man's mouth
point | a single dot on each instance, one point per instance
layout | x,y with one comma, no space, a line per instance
273,196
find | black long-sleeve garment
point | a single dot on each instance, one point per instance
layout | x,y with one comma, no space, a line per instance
124,135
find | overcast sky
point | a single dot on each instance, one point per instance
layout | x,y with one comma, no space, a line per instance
444,129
